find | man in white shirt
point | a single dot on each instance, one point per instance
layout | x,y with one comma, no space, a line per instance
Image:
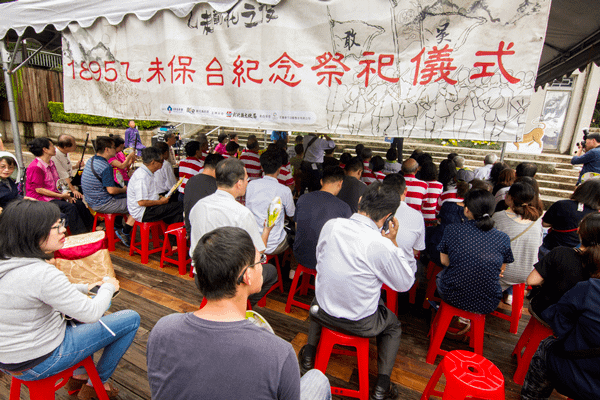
312,166
412,237
354,259
143,201
261,192
165,177
65,145
483,173
221,209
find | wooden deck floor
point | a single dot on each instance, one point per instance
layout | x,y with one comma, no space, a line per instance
153,293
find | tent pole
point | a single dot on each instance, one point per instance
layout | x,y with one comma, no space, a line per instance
11,107
503,152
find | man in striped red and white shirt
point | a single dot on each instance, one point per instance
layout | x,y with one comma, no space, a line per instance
429,207
416,189
196,152
251,159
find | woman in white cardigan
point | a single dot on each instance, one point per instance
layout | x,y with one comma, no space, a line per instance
37,337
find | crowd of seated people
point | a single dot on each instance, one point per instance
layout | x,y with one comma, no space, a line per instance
483,228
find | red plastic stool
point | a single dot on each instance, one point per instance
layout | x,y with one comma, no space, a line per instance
182,260
248,305
391,298
432,270
529,341
330,338
156,228
467,375
306,273
517,308
109,224
442,322
44,389
263,302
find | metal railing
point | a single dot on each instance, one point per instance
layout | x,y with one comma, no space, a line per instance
45,59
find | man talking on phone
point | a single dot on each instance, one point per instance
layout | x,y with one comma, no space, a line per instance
355,257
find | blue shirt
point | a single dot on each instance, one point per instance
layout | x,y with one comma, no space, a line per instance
472,280
93,188
590,160
313,210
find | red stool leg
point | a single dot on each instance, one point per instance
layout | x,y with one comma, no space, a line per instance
535,335
181,251
133,237
95,224
430,388
290,300
432,270
109,223
15,389
166,250
517,307
90,368
145,239
478,327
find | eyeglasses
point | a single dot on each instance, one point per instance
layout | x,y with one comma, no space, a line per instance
263,259
7,167
61,224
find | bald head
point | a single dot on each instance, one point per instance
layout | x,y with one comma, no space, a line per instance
409,166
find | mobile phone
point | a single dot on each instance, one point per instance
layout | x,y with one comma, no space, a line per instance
386,223
95,289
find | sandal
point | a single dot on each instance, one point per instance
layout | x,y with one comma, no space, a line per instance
87,392
74,385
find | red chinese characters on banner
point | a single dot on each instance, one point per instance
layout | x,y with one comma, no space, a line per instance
213,79
285,62
157,69
182,72
238,71
438,63
498,54
380,64
330,64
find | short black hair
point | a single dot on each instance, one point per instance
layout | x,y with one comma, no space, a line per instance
221,138
526,169
377,163
220,257
391,154
495,171
332,174
358,149
212,160
232,147
588,193
447,173
117,139
232,136
65,141
428,171
354,164
162,146
299,139
37,145
25,224
252,142
299,149
366,153
103,143
451,156
345,157
191,148
229,172
396,181
329,151
270,161
150,154
481,203
168,136
379,200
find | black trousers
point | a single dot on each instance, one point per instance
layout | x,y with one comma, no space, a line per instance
79,219
170,213
383,325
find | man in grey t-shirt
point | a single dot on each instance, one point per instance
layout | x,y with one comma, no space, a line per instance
215,352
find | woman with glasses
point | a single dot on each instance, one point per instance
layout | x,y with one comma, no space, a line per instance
48,324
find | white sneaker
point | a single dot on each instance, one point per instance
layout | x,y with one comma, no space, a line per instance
508,299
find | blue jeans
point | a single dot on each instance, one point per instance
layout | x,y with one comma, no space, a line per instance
314,385
83,340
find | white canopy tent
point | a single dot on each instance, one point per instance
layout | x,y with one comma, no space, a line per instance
571,41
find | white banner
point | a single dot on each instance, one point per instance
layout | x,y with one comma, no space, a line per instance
425,68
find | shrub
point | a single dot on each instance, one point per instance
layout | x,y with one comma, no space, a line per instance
58,114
